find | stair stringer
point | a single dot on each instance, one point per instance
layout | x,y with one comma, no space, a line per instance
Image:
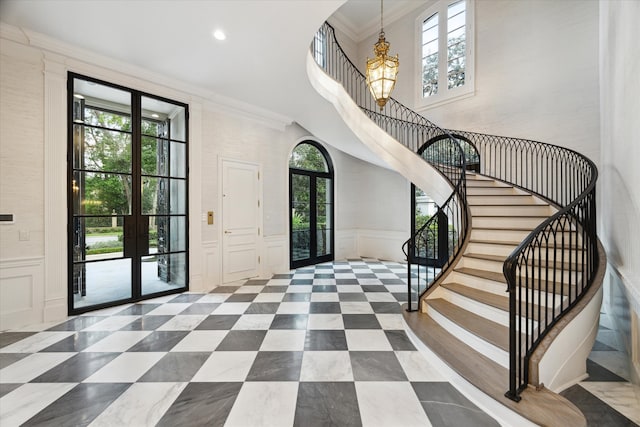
392,152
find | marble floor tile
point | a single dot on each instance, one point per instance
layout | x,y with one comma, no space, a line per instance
110,311
284,340
142,404
201,404
399,340
325,341
297,297
290,321
214,298
293,308
200,341
146,323
182,322
226,366
81,405
29,399
76,323
112,323
159,341
397,288
264,404
229,290
168,309
299,289
623,397
324,297
254,321
75,369
276,366
344,275
390,321
137,309
77,342
8,388
446,406
355,288
7,359
220,322
126,368
360,321
324,307
367,340
239,297
176,367
269,297
205,308
376,409
327,403
232,308
614,361
380,297
263,308
32,366
417,368
249,289
249,340
118,341
352,297
325,321
274,290
595,410
36,342
279,282
376,366
326,366
158,300
7,338
386,307
187,297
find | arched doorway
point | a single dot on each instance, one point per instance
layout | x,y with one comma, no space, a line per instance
311,239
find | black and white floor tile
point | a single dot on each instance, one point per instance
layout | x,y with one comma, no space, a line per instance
321,345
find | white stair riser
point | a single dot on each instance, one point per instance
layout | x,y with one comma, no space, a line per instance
505,222
506,250
496,266
485,183
503,200
506,235
480,345
492,191
508,210
498,288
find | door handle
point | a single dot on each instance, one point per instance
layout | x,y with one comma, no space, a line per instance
227,232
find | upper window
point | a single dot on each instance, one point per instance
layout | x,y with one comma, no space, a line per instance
308,157
445,44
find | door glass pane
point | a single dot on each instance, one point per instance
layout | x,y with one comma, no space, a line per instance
324,227
164,158
162,196
101,193
96,238
101,282
101,149
300,217
167,234
163,272
172,116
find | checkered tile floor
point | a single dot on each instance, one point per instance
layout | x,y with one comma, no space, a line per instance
322,345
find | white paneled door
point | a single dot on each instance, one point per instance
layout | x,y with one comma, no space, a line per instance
240,220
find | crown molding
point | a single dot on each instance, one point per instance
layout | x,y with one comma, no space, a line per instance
345,25
86,59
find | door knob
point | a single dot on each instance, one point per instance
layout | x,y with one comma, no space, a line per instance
227,232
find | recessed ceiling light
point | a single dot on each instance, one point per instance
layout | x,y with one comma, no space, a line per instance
155,116
219,35
77,95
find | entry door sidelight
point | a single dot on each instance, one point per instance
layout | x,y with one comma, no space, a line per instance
127,193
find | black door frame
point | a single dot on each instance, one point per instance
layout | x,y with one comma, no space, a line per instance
135,227
313,237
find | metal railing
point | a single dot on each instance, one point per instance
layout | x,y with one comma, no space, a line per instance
412,130
551,269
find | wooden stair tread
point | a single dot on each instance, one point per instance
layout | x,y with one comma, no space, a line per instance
501,302
529,229
499,277
501,258
502,216
489,331
516,243
541,407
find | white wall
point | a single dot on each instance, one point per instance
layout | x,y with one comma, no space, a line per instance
536,72
620,172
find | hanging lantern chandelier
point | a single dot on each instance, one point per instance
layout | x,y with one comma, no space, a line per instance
382,70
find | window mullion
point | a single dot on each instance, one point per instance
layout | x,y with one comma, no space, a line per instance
442,49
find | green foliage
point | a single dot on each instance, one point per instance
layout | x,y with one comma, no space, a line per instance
103,230
421,220
455,67
308,157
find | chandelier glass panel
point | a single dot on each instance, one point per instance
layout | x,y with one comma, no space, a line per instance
383,69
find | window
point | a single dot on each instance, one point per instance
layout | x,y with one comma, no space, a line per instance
445,46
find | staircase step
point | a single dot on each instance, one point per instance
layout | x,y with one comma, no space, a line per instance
493,333
499,221
500,259
515,243
504,200
500,302
499,278
485,183
512,210
491,190
541,407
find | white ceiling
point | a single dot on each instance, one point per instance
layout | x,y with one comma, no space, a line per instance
261,63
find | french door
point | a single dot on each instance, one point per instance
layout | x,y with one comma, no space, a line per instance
127,195
311,205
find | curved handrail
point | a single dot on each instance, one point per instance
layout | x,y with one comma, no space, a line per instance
558,258
412,130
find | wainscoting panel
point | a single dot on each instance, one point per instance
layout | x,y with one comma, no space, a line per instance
346,244
211,271
21,292
385,245
276,255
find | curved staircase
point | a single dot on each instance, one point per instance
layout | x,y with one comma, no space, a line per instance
512,307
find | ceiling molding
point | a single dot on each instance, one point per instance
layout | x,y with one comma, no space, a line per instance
91,59
371,28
